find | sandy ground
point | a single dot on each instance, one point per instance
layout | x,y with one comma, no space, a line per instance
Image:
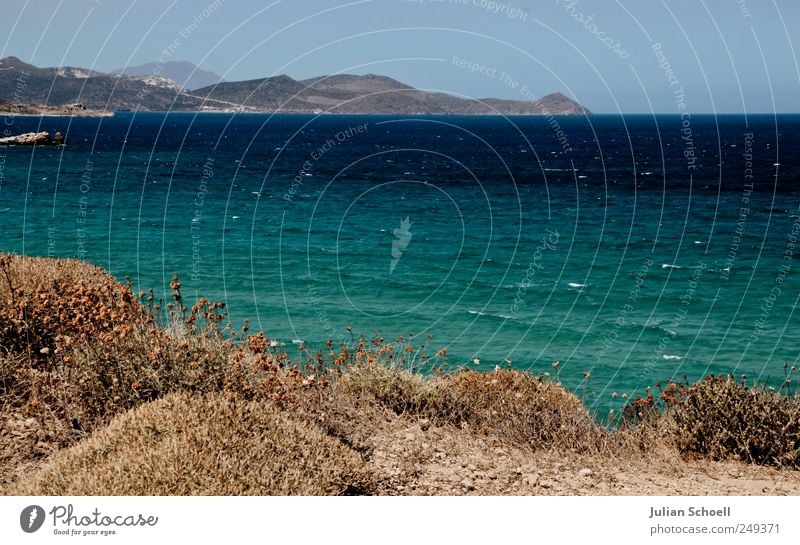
416,459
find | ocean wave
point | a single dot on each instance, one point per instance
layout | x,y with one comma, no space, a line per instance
490,315
656,326
670,357
669,266
576,285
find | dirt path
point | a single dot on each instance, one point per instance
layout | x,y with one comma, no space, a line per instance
415,459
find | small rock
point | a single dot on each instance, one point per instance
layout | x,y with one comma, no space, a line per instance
472,467
424,424
468,484
44,350
531,480
585,472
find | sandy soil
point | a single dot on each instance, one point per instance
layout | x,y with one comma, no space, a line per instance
415,459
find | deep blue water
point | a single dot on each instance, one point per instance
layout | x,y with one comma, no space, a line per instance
603,247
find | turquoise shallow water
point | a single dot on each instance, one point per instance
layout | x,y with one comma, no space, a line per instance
620,247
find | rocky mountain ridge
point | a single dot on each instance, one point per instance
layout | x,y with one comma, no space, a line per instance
23,83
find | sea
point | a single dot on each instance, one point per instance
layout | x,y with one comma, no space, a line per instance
612,252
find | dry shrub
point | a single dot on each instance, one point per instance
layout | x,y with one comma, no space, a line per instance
203,445
76,349
520,407
396,389
48,305
721,418
512,405
259,369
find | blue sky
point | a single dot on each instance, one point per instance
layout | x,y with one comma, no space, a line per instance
726,55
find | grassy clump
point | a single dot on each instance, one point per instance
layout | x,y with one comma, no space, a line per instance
47,306
520,407
722,418
203,445
718,418
509,404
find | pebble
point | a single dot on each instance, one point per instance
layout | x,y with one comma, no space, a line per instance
531,480
424,424
468,484
585,472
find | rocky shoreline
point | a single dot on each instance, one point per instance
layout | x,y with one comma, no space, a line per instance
33,139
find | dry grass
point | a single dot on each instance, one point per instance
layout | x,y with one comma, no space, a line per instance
203,445
717,418
84,368
77,348
47,305
513,405
722,419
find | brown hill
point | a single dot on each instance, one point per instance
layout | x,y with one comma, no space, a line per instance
23,83
369,94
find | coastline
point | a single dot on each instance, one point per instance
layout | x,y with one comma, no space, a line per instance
374,426
36,110
48,114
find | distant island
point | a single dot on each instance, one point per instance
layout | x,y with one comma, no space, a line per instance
67,110
148,88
